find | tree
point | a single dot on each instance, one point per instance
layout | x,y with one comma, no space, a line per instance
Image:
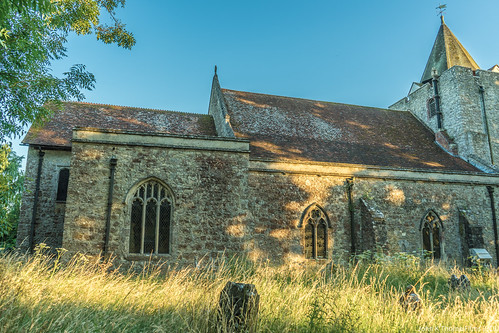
11,187
33,34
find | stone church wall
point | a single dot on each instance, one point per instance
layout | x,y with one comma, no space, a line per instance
280,192
227,204
49,221
209,184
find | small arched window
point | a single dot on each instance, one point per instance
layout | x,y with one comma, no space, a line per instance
150,219
316,236
431,107
431,229
62,185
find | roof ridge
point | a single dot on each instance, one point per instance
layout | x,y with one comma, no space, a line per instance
137,107
315,100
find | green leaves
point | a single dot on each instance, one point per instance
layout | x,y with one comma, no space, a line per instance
32,35
11,187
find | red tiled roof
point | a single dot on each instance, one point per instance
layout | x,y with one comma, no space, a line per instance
287,128
58,130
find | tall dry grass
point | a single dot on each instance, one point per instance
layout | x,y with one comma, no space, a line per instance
41,294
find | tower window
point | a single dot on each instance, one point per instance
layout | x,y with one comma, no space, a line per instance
431,107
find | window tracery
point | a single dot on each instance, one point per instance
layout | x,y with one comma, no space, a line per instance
316,224
431,230
150,219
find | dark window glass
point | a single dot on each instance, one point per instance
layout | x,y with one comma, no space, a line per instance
164,227
321,239
315,240
62,186
432,235
436,243
309,241
426,239
150,227
432,107
136,226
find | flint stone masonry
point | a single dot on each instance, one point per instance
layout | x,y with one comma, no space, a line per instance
209,187
226,203
462,116
49,221
279,197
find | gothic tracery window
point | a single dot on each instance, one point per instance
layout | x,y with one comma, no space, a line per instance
316,225
432,234
150,220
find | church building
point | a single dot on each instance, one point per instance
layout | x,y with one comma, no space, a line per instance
285,179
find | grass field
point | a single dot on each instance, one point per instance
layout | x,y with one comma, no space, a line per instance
41,294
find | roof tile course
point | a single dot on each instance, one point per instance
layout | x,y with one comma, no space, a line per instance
58,130
287,128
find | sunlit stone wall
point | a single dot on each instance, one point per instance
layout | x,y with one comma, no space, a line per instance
209,186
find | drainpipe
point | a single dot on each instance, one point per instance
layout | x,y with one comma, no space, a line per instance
351,208
486,122
436,96
112,167
35,201
494,222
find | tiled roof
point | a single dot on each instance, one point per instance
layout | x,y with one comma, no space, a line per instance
58,130
286,128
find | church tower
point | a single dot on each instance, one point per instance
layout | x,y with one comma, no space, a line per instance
458,101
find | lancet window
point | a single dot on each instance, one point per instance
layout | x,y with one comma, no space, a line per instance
316,224
431,230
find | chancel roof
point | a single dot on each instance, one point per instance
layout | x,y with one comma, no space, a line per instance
57,131
447,52
284,128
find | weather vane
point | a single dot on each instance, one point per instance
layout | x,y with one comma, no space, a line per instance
441,9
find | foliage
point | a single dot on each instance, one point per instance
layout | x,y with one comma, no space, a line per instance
33,33
87,294
11,187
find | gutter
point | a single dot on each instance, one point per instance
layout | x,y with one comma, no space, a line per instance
112,167
351,210
490,189
41,153
436,96
486,122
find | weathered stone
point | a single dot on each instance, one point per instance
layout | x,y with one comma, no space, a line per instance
461,284
238,307
410,300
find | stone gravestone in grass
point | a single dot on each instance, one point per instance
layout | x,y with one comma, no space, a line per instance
410,300
238,308
460,284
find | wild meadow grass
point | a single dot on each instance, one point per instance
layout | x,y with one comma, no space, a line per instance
41,294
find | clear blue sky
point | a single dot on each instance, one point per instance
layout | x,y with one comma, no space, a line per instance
357,52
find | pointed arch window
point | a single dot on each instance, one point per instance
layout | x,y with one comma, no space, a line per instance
150,218
315,233
431,229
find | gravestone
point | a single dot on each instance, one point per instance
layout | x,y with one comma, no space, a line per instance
461,284
238,307
410,300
